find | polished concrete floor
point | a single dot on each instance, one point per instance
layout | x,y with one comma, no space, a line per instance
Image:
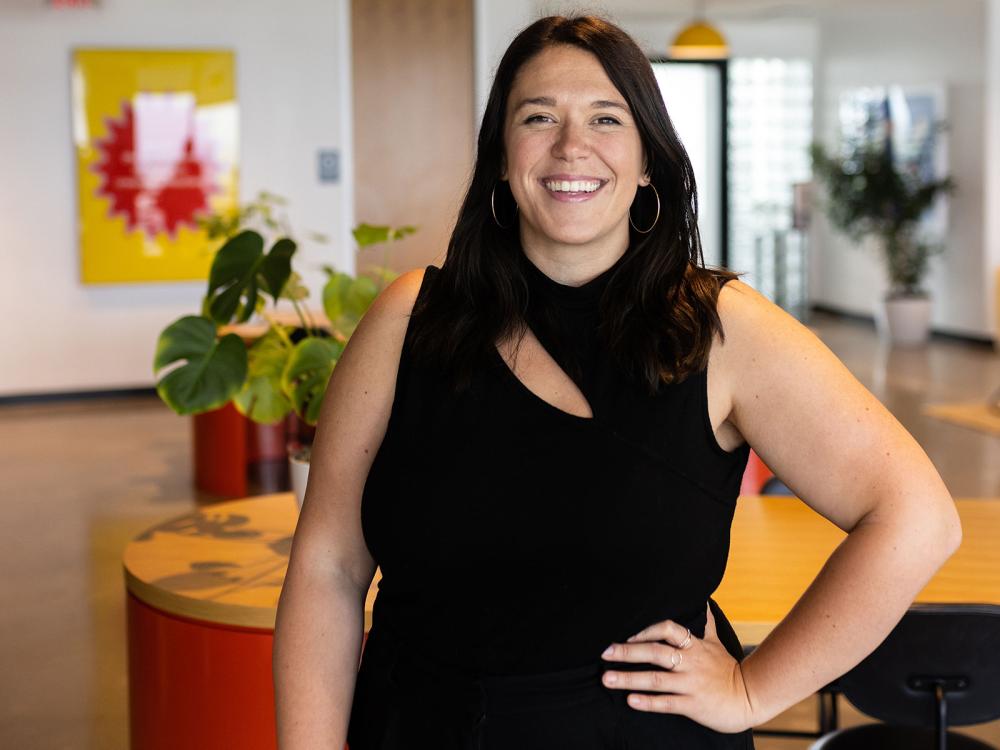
81,479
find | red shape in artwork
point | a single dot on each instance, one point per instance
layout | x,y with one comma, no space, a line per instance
185,193
134,196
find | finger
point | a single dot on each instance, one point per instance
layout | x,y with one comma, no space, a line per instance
662,704
644,652
666,630
659,681
648,652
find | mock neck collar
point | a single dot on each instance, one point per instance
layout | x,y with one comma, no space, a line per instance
585,296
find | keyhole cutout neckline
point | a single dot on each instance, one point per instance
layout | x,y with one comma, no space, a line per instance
555,381
566,382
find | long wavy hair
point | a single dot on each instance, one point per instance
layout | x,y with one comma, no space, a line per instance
658,310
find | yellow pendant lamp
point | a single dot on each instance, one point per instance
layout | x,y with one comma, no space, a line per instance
699,40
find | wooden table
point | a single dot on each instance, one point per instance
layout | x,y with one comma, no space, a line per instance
203,589
780,544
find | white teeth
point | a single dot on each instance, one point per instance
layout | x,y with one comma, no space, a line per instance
572,186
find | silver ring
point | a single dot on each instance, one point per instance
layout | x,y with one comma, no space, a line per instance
687,640
674,663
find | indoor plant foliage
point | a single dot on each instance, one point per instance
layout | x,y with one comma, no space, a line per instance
289,366
872,192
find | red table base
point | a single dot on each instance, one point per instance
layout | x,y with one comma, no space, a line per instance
197,685
234,456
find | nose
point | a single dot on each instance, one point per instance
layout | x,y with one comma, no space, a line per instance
571,143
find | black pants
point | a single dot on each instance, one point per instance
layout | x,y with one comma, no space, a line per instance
405,701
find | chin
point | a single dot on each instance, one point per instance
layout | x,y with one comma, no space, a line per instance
569,233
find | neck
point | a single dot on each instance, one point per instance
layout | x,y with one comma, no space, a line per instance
574,264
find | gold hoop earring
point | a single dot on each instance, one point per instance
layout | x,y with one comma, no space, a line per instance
656,219
494,210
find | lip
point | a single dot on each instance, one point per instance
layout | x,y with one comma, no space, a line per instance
572,197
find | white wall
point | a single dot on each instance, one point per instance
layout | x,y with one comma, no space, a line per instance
495,25
293,84
991,153
940,43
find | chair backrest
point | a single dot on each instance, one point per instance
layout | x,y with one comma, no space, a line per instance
957,643
775,486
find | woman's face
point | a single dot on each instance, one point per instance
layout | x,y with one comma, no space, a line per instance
573,155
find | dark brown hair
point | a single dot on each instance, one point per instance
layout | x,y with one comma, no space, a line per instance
659,308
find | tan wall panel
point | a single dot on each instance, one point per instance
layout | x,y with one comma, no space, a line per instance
413,120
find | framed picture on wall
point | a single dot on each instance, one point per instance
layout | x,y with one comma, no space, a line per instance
909,118
156,139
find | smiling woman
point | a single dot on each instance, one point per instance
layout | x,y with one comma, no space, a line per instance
541,445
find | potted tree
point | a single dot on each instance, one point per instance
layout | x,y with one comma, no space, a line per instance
871,192
202,367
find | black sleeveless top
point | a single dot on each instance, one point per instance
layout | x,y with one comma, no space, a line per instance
516,538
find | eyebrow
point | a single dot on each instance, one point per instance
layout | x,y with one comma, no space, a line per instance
548,101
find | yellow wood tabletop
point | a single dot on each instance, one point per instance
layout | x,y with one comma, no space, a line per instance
225,563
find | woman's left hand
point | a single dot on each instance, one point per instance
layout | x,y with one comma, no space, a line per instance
703,681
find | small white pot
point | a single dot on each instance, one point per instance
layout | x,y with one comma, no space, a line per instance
908,320
298,467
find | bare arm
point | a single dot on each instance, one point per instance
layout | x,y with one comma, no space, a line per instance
320,619
847,457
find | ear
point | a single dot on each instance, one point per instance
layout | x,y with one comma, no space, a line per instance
646,176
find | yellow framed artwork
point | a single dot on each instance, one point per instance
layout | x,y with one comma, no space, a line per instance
157,143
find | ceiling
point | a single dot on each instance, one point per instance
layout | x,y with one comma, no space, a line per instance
770,9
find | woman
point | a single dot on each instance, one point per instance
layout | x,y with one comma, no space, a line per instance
550,449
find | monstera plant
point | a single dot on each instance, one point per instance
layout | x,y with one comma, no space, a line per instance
202,367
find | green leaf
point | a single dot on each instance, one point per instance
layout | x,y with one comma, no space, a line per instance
400,232
239,270
360,297
267,197
335,293
383,276
262,398
232,278
369,234
346,300
276,267
294,289
214,371
307,374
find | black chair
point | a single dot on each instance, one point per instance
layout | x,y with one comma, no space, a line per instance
775,486
939,667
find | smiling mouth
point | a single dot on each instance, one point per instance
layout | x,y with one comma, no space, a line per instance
573,186
573,190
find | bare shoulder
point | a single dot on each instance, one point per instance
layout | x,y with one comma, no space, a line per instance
810,420
758,334
396,300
